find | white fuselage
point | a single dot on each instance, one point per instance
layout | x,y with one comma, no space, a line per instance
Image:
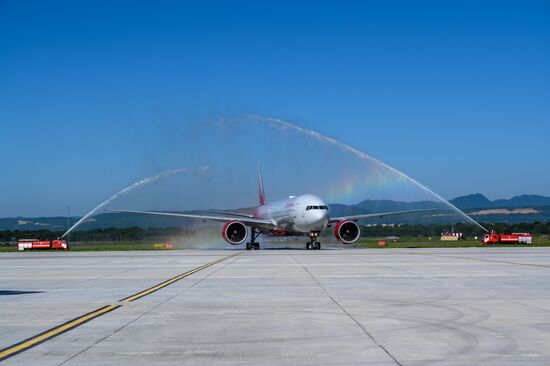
295,215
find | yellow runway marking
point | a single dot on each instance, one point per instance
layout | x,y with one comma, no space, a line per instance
42,337
71,324
172,280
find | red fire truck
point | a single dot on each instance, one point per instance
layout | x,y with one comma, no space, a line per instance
25,244
514,238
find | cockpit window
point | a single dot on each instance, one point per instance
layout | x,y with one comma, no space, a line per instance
317,208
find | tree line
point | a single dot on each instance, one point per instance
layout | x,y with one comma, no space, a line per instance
468,230
96,235
145,234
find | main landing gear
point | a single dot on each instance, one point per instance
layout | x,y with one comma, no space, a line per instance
253,236
313,244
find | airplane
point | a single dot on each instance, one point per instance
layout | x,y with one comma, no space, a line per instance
303,215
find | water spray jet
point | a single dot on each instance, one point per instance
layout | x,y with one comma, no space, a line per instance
283,125
141,183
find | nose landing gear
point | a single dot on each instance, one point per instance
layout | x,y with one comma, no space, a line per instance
313,244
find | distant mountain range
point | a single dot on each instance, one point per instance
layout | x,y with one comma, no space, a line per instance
477,201
524,208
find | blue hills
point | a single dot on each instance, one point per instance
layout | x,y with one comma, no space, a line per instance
478,201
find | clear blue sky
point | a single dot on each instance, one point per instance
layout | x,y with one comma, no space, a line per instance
456,94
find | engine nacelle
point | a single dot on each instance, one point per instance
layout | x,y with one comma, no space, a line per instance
234,232
347,231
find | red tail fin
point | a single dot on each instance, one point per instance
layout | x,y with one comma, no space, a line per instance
261,187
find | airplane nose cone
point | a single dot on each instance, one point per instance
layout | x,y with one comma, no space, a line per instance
319,219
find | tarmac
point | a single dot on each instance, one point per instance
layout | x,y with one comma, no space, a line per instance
460,306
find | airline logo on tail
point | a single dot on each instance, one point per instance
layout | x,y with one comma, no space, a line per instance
261,187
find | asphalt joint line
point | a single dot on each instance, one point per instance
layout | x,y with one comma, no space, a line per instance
74,323
481,259
365,331
147,312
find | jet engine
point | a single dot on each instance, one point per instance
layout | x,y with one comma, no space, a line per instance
234,232
347,231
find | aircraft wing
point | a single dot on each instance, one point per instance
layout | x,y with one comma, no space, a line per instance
376,215
230,213
245,220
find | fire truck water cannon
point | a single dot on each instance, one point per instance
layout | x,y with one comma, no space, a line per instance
514,238
34,244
